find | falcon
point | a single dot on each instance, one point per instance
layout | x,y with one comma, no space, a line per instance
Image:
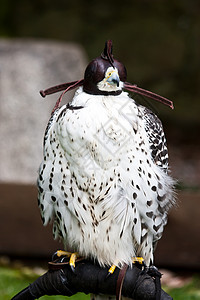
104,180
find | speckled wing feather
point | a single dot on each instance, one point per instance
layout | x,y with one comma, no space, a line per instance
157,139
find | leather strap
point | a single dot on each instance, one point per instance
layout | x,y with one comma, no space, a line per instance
120,280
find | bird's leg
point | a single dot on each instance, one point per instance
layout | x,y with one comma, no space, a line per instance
72,257
111,270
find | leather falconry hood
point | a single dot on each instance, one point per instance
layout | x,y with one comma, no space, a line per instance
95,72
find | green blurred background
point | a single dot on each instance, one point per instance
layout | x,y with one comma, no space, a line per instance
158,41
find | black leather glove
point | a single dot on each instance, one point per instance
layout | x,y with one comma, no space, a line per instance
88,277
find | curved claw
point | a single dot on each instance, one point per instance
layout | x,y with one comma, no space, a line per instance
72,268
60,253
54,256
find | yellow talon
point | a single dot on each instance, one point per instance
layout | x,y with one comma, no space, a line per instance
72,256
140,260
72,260
60,253
112,269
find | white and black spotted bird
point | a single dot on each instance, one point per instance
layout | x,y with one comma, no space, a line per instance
104,178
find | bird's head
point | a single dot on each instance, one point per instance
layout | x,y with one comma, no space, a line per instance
104,75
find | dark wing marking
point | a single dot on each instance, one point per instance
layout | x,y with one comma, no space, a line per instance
157,139
71,107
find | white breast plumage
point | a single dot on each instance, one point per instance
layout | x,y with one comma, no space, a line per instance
99,181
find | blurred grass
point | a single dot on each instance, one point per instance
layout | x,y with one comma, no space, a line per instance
13,280
190,291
